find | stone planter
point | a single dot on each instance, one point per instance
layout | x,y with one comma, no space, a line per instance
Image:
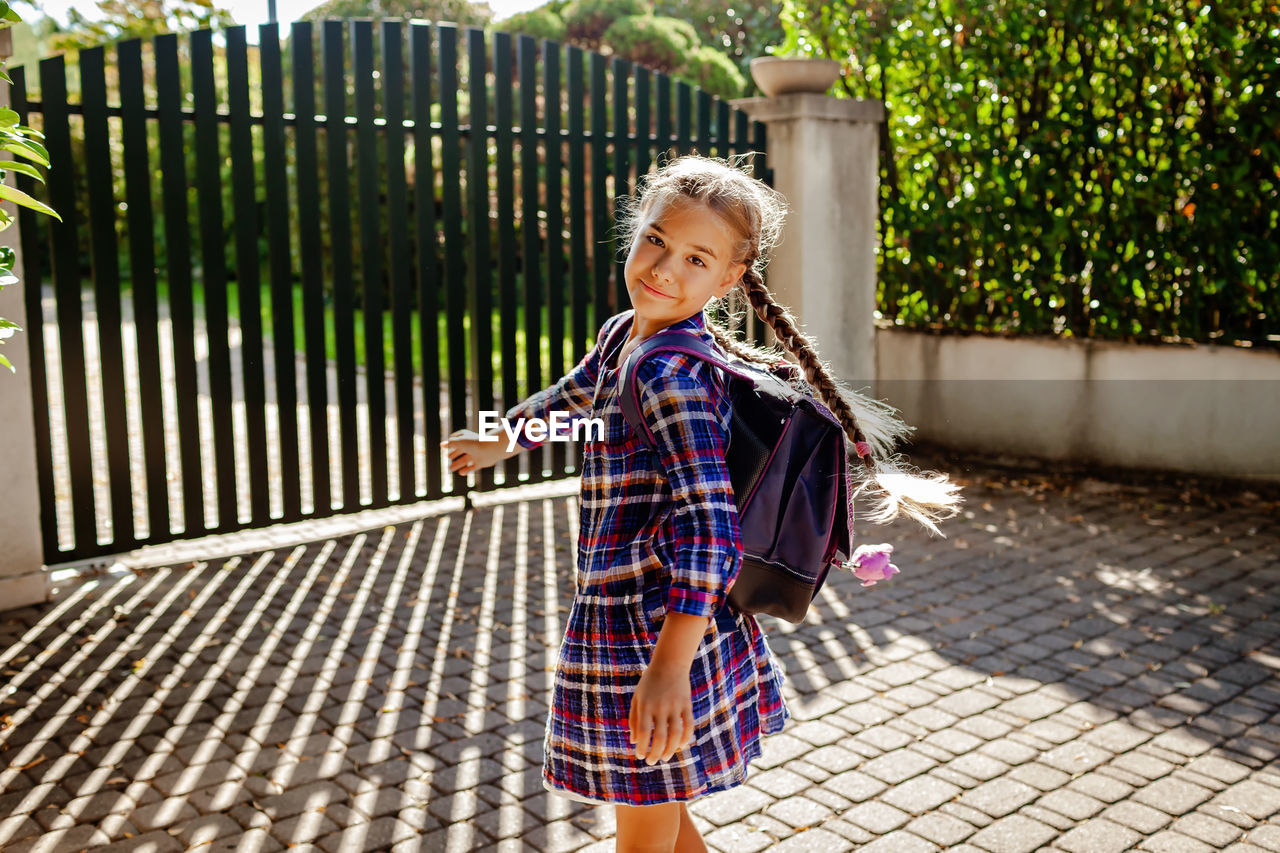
784,75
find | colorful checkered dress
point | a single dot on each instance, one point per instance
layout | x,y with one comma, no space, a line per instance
658,532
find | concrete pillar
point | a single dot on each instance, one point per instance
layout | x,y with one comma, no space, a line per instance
23,578
824,153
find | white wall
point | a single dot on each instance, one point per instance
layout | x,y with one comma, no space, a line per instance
1198,409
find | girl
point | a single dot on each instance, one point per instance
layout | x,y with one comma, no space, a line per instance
662,692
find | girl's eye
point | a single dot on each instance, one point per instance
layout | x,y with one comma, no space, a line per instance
697,260
655,239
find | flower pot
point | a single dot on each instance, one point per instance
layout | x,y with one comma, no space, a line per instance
785,75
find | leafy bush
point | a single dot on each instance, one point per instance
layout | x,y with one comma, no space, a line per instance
712,71
662,44
1108,171
541,23
586,20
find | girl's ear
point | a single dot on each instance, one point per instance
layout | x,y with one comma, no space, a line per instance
733,275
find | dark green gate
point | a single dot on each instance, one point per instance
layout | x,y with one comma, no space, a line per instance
267,254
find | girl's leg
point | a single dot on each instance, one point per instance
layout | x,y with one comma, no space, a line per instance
648,829
689,840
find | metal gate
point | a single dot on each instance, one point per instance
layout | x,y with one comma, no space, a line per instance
239,333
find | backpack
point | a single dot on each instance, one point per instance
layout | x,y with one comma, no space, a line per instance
786,460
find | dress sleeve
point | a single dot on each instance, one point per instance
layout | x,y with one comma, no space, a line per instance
680,409
573,394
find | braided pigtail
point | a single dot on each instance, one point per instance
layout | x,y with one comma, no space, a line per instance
871,425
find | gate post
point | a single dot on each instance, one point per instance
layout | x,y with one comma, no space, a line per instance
824,153
23,579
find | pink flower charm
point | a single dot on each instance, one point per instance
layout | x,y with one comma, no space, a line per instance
862,448
871,564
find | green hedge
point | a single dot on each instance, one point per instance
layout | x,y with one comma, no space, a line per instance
1056,168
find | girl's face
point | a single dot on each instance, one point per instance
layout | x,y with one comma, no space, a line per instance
681,258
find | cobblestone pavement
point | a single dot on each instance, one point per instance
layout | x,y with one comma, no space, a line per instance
1088,663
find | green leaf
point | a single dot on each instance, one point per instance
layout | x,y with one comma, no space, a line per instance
8,118
4,362
23,168
33,151
17,196
4,75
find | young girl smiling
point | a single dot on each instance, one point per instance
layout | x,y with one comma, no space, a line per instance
662,692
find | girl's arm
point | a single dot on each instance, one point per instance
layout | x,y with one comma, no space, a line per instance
691,444
573,394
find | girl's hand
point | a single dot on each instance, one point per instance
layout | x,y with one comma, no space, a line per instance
661,719
468,454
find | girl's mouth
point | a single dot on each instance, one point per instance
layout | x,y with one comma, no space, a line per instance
656,291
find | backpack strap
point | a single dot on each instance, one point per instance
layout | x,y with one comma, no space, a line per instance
617,334
669,341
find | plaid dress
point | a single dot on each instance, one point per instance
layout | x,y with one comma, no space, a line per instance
658,533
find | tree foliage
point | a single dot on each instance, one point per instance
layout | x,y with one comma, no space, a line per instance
658,43
587,20
22,142
461,12
117,20
1105,169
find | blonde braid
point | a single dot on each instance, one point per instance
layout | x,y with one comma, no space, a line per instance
815,372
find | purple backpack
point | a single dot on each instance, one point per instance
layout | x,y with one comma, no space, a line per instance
786,460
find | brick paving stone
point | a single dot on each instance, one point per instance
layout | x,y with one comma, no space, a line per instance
304,828
1137,816
884,738
921,794
1075,757
1143,765
1173,842
207,828
1267,837
151,842
876,817
833,759
897,766
729,839
942,829
899,842
967,703
797,812
1098,836
1039,776
1072,804
813,841
1172,796
1188,741
1116,737
167,812
62,841
967,814
1013,834
1009,751
977,766
999,797
722,810
380,834
1255,799
854,785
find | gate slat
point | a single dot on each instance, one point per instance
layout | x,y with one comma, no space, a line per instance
531,252
644,125
662,84
722,129
454,249
335,105
177,242
556,280
310,247
704,123
142,263
399,267
577,215
248,277
741,132
65,258
504,172
481,291
424,205
684,107
106,292
213,268
600,262
280,265
375,370
32,228
621,70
